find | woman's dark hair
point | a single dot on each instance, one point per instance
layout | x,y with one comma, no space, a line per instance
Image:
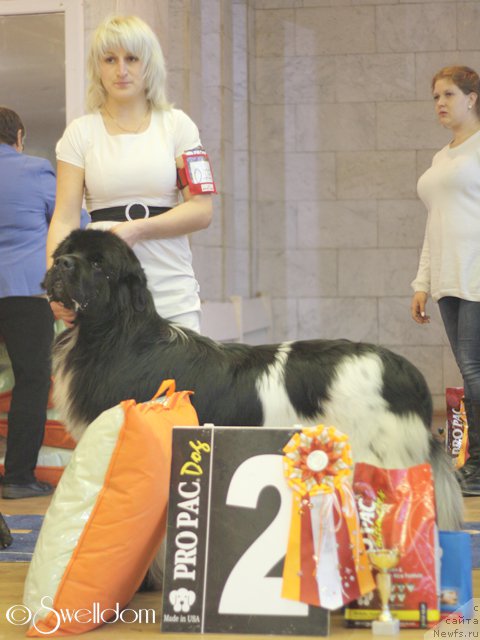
465,78
10,124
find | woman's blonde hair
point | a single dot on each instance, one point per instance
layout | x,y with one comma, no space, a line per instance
465,78
135,36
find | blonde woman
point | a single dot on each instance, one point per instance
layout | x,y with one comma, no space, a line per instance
123,157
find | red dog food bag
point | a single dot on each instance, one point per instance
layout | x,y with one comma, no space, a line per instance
456,426
396,508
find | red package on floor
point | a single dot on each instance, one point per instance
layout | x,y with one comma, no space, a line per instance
457,428
397,512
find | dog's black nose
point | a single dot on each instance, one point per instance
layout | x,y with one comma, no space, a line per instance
66,262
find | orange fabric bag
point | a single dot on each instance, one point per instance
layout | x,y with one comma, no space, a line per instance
107,517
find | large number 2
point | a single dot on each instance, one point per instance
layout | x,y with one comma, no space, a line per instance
247,590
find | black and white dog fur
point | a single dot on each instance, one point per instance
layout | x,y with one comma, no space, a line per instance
120,348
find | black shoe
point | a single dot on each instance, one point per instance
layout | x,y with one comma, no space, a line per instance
31,490
5,535
470,484
469,468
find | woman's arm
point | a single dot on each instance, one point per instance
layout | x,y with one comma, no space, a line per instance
66,217
68,205
193,214
421,285
422,279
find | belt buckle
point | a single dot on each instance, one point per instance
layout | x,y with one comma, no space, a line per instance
132,204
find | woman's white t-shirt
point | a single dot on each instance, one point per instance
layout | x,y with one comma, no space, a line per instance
128,168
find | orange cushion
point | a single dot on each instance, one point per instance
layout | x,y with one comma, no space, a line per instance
107,517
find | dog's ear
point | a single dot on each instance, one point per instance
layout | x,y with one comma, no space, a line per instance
138,292
136,283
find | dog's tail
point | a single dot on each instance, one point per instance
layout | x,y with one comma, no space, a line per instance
448,495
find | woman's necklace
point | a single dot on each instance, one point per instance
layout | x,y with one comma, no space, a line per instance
123,128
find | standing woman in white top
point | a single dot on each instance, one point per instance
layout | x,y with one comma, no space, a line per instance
123,157
449,268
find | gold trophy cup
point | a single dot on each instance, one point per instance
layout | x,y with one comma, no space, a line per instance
383,560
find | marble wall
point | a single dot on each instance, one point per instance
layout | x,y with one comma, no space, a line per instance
318,117
345,126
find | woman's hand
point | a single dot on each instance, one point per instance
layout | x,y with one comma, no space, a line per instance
419,302
61,312
130,232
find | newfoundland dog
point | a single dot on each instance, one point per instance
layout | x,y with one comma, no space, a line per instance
120,348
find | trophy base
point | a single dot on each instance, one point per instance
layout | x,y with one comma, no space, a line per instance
390,628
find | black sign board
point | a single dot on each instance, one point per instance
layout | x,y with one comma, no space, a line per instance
228,524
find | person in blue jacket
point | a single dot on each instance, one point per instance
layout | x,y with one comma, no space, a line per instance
27,199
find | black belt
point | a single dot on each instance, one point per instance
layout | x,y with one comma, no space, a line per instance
134,211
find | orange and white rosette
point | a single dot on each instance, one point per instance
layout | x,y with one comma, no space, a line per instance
326,563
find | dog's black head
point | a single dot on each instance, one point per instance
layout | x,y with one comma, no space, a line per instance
96,273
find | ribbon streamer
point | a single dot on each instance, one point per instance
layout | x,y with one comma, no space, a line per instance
326,563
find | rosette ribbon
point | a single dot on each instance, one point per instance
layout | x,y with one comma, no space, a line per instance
326,563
